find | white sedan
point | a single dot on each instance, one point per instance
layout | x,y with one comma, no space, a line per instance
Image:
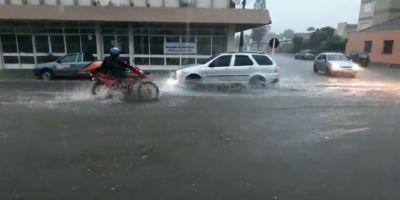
254,69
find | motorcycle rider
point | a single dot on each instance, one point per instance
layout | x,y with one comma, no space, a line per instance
114,65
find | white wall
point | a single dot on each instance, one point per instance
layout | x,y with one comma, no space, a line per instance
85,2
67,2
17,2
221,4
155,3
50,2
204,3
139,3
33,2
172,3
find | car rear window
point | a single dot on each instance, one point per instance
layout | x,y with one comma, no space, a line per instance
262,60
242,60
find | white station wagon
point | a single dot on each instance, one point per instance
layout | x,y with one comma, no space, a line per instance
254,69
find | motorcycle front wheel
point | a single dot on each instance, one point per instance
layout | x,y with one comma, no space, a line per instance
148,91
96,88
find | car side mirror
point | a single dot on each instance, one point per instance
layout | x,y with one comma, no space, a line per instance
211,65
58,61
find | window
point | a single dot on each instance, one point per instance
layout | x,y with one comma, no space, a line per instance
123,44
89,44
87,57
69,58
219,45
73,43
157,61
57,44
42,44
388,46
25,43
27,60
204,45
367,46
141,44
11,60
262,60
109,42
157,45
187,3
173,61
223,61
9,43
321,57
243,61
188,61
141,61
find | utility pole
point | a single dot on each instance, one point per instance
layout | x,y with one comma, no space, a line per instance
242,33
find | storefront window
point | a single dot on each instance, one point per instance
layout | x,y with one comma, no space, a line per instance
25,43
123,44
109,42
173,61
172,39
204,45
157,45
188,61
27,59
9,43
141,61
11,60
73,43
57,44
219,45
42,43
157,61
89,44
141,44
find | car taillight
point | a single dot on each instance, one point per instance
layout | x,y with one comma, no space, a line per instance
277,68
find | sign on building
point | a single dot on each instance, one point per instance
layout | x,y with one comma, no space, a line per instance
180,48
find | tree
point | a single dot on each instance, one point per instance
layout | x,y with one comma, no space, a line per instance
334,43
311,29
288,33
318,37
258,34
297,43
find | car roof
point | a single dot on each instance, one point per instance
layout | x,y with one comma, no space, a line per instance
243,53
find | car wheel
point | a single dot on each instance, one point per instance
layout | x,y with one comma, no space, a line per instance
257,82
47,75
193,81
315,69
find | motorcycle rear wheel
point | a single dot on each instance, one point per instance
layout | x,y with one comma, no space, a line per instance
148,91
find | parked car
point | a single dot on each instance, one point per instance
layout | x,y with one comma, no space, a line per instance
69,65
305,55
335,64
254,69
360,58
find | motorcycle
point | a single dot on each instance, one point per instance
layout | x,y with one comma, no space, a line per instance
146,90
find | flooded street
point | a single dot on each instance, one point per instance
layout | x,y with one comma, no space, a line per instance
310,136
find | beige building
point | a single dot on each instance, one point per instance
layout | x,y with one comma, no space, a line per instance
344,28
374,12
155,34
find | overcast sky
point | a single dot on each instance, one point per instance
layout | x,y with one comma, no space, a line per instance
300,14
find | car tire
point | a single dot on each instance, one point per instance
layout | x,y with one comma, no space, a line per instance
193,81
315,69
46,74
257,82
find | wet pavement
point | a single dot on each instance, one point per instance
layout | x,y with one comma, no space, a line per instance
309,137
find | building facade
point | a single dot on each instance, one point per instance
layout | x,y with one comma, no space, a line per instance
374,12
343,29
155,34
381,41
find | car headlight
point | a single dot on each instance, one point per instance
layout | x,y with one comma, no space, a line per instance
357,67
336,67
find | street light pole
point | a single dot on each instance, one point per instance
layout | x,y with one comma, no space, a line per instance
241,33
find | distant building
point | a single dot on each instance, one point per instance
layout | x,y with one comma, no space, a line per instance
155,34
374,12
381,41
345,28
